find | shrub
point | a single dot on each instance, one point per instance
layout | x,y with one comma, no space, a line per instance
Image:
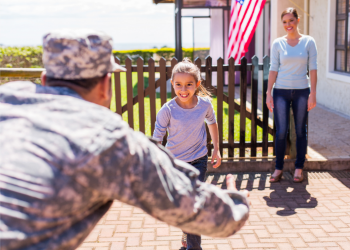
146,54
21,57
31,57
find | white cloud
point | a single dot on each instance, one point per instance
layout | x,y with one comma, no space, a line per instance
79,8
127,21
24,22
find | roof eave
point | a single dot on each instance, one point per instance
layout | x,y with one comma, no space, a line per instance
163,1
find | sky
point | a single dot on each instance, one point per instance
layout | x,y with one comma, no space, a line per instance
131,23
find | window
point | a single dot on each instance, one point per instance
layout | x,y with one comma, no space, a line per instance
342,38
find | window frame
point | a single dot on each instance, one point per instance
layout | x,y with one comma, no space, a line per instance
341,17
331,74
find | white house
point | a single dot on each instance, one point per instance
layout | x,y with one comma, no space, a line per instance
325,20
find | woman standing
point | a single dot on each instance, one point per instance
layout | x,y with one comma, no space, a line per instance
292,56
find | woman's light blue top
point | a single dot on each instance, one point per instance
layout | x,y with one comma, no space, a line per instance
187,136
292,63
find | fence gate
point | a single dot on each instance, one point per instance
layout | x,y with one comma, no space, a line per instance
228,96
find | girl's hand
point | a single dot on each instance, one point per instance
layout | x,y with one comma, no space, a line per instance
217,156
311,103
269,102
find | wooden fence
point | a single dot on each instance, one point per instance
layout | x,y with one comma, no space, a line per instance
229,97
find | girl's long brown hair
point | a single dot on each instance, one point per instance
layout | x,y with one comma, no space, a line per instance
186,66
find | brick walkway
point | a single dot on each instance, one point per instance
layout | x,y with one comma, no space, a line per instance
312,215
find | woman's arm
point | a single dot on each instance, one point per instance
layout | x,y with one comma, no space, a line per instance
313,74
272,80
214,133
312,97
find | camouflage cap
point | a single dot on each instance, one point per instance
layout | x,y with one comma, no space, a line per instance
78,54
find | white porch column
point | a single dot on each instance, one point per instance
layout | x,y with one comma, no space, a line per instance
216,38
274,19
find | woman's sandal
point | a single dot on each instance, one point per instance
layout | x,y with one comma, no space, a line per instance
298,179
184,240
276,178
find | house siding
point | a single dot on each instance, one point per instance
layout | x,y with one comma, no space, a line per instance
331,93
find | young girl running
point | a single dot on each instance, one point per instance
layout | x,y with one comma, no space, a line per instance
183,117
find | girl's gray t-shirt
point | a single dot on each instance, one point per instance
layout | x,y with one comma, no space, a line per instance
292,63
187,136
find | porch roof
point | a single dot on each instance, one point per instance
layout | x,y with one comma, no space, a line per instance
163,1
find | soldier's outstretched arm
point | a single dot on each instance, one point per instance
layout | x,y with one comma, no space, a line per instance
143,174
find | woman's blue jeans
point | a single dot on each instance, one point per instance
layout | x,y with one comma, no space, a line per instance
283,99
194,241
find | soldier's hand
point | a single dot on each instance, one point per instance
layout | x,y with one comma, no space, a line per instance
231,185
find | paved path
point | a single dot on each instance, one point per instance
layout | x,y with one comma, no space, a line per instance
329,135
312,215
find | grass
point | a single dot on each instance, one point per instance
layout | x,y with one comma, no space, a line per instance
158,106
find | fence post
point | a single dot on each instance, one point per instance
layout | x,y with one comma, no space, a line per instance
129,90
265,110
254,102
231,105
117,90
208,70
152,93
243,98
198,63
140,94
173,63
162,69
220,97
163,92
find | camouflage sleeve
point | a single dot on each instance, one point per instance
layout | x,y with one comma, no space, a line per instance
145,175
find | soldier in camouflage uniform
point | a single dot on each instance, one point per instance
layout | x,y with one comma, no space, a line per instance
64,159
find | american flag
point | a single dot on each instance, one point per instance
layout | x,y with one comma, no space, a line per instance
245,15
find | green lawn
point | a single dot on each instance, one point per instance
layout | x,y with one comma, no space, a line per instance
158,106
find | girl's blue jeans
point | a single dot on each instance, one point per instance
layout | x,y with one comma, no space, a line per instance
283,99
194,241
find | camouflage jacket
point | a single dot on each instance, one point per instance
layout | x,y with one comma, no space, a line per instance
64,160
